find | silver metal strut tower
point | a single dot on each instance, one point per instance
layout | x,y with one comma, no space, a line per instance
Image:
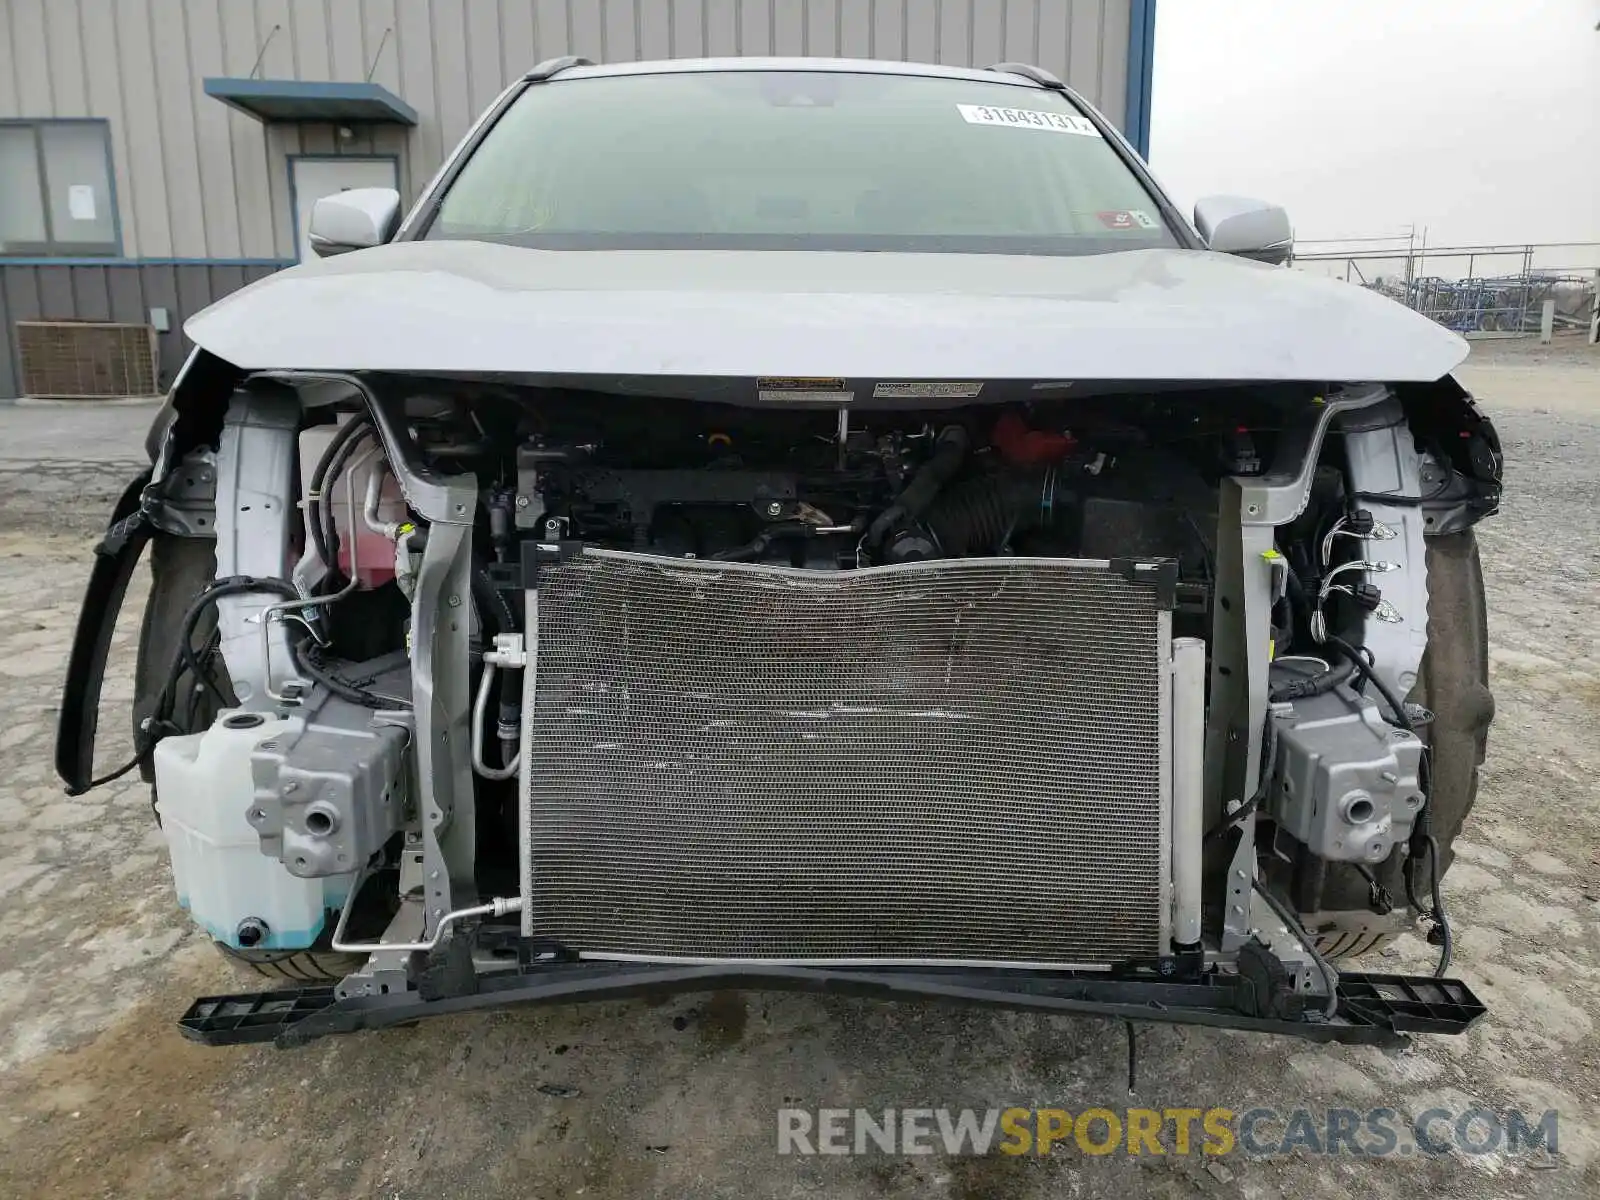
255,511
437,863
1249,511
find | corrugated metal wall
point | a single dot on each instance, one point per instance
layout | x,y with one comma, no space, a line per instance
196,180
117,292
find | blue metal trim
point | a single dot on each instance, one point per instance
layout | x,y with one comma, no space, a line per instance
294,198
55,121
1141,71
111,166
237,93
146,262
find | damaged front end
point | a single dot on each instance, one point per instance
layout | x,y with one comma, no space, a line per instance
1108,700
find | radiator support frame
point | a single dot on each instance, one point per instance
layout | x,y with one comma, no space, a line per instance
1374,1010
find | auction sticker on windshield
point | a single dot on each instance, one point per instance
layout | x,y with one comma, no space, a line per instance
1027,118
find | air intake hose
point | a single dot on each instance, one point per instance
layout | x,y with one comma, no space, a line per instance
980,517
949,452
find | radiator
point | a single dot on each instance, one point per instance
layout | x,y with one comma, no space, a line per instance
960,761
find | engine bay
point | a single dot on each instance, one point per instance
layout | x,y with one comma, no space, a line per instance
1118,479
840,489
368,676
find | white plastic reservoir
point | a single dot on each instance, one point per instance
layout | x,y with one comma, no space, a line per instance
203,795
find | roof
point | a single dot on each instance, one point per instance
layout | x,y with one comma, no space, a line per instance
675,66
306,100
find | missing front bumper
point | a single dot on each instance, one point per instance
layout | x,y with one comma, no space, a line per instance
1373,1009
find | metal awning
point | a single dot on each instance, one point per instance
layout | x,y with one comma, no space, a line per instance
307,100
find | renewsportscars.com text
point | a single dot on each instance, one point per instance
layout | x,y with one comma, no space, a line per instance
1258,1132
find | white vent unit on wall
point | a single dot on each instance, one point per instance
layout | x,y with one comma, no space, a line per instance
86,360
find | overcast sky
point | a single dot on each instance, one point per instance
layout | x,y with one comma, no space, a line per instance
1477,118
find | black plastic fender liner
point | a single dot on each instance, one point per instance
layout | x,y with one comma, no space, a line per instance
114,560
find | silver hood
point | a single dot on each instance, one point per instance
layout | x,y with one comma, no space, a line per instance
481,308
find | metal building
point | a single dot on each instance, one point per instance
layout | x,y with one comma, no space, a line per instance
157,154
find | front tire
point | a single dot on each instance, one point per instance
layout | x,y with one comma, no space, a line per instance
297,966
1453,682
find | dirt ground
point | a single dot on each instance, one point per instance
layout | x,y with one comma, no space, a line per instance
99,1096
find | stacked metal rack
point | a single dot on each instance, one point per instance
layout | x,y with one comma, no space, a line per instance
1448,284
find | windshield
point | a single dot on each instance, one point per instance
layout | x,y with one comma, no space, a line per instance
804,160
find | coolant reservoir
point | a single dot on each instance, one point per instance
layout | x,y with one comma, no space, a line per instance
374,553
233,891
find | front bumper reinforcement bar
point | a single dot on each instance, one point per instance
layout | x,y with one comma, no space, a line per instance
1373,1009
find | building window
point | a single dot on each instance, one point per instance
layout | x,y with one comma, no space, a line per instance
55,190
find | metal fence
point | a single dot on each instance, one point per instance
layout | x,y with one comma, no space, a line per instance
1485,290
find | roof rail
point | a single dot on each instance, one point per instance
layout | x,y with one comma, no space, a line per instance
551,67
1038,74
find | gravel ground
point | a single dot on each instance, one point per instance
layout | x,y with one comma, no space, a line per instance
100,1097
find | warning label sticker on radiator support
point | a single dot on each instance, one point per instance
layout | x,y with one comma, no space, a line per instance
803,396
799,383
926,390
800,389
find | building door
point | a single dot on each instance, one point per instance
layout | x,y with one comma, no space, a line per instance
310,179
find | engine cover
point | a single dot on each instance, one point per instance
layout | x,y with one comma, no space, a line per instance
945,761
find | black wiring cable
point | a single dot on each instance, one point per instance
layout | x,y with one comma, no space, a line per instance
491,601
308,661
1330,980
185,657
1430,844
233,585
307,658
949,452
1441,922
1422,837
1378,898
207,660
112,776
197,663
1289,625
1269,765
1425,821
1306,686
327,507
343,437
1294,594
319,475
1361,663
327,469
1439,489
498,615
